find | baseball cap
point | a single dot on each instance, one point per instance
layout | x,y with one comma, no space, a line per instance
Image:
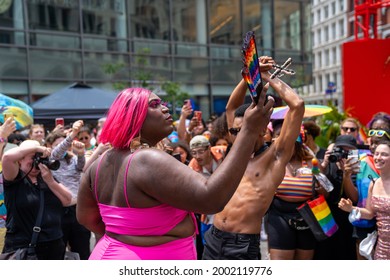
346,141
199,141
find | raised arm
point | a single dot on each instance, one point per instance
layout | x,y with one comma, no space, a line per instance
182,133
6,129
59,150
292,122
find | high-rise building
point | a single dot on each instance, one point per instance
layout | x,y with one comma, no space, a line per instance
333,25
46,45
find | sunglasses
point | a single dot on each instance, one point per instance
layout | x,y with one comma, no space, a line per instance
234,130
378,133
83,138
345,129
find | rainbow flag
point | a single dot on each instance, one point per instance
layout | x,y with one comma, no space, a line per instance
362,135
317,215
321,211
251,70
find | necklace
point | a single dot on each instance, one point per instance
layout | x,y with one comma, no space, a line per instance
293,170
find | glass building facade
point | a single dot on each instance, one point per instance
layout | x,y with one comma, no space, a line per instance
46,45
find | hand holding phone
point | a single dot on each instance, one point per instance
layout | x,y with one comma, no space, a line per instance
60,121
198,115
353,155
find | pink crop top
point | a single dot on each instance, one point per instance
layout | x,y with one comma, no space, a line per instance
157,220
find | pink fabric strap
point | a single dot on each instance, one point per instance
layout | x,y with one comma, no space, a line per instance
125,179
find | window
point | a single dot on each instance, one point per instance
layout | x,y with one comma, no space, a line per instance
287,25
334,56
333,31
57,17
225,27
149,19
326,58
258,15
188,22
326,34
341,4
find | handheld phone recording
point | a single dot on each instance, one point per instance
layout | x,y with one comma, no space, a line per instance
198,115
354,156
177,156
251,70
60,121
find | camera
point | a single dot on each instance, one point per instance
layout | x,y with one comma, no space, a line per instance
337,154
51,164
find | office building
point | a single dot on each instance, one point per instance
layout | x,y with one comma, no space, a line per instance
46,45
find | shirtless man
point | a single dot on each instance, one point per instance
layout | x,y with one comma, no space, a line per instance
235,233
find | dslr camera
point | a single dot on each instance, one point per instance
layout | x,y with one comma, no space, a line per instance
337,154
50,163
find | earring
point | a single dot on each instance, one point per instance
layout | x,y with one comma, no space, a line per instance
136,144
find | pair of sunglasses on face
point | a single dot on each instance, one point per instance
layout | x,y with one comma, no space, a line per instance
378,133
345,129
234,130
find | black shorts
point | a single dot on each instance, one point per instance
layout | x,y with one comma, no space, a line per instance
221,245
286,229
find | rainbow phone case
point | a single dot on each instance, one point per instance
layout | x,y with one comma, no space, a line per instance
251,70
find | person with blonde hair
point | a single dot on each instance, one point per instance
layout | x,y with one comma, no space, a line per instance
37,132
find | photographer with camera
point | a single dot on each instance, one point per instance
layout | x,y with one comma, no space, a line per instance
340,167
26,177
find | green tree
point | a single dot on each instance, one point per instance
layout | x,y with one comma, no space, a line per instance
174,96
142,77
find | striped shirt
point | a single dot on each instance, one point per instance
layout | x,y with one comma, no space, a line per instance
299,187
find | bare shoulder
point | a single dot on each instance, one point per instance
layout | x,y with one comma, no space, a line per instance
265,167
154,162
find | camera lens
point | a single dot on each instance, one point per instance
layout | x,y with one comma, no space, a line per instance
333,158
53,165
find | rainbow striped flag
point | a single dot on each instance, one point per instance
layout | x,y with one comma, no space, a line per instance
362,135
321,211
317,215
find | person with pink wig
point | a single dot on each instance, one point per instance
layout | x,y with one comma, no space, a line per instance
139,199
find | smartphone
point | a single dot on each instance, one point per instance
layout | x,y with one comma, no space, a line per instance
354,155
60,121
198,115
187,102
177,156
8,115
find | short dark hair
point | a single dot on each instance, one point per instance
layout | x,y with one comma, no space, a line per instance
240,111
311,128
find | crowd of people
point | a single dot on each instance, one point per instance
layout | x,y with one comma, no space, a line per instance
146,187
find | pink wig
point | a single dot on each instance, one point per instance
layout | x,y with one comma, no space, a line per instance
125,117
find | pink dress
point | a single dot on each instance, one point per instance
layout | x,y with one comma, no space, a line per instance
153,221
381,206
